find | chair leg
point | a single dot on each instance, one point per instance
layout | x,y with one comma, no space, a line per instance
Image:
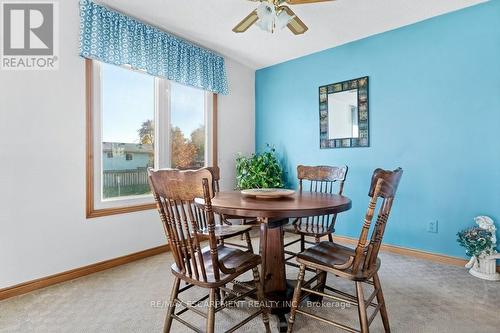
363,316
220,294
249,242
296,298
380,300
330,238
302,243
243,222
211,311
320,284
261,298
171,305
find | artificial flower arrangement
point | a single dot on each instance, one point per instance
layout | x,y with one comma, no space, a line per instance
476,241
480,244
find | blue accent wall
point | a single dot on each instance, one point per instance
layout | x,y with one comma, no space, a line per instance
434,111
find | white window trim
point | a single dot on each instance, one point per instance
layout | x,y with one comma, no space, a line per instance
162,116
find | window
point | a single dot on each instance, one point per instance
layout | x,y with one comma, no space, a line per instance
187,127
138,121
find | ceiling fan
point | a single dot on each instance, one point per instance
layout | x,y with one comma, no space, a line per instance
272,15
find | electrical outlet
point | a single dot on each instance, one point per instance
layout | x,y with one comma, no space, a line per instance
433,227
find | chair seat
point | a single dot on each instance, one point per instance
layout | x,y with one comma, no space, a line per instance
227,231
328,255
308,229
231,258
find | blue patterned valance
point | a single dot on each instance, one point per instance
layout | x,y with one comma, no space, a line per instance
112,37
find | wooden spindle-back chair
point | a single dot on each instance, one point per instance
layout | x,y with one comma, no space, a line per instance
360,265
211,267
319,179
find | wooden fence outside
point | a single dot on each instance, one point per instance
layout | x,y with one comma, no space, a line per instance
131,177
111,178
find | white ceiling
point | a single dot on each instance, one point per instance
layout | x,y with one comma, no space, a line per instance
209,23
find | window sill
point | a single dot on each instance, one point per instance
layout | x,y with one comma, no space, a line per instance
93,213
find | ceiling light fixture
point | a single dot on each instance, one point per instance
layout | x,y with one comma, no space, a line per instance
274,15
271,17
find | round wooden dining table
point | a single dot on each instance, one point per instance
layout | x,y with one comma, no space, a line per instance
272,214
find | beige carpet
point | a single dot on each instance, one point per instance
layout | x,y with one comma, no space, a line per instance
421,297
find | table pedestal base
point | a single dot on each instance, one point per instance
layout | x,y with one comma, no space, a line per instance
278,292
280,303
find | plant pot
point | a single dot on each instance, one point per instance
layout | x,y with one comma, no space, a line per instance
485,268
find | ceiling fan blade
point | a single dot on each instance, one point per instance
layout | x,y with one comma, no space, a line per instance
295,25
246,22
302,2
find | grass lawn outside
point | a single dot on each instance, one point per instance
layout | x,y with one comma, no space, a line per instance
129,190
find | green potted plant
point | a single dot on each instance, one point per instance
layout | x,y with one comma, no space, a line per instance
261,170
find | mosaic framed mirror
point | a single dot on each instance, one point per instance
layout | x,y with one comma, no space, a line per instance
343,114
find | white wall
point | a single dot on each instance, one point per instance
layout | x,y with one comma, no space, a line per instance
43,229
236,121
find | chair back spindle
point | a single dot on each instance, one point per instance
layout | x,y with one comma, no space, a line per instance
175,192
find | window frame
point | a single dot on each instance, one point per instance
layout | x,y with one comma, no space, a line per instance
95,206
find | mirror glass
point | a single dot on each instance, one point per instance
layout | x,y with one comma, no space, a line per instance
343,115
